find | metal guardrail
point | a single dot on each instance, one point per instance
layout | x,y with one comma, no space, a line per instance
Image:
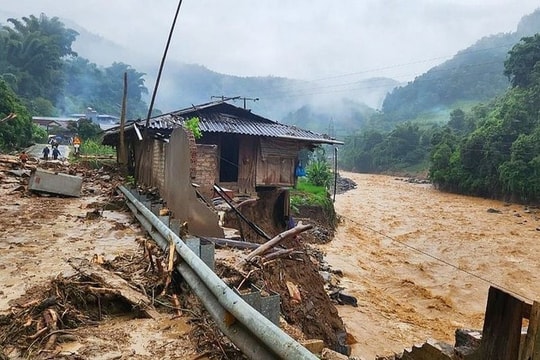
256,336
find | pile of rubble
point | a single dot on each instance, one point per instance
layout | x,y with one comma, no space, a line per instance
344,184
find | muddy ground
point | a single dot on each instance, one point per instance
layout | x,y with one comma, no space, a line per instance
420,262
41,235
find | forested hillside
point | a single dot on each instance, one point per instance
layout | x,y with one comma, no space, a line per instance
38,63
41,75
454,98
494,150
338,120
471,76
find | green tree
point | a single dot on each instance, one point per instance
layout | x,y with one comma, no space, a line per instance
500,156
16,132
522,63
86,129
34,51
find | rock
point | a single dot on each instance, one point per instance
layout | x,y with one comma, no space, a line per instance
494,211
314,345
328,354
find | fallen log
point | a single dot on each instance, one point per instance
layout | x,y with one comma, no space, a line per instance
277,254
299,228
231,243
234,243
112,281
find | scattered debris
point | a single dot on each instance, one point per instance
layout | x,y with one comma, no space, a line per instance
344,184
294,293
339,297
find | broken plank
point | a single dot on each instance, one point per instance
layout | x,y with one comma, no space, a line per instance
113,281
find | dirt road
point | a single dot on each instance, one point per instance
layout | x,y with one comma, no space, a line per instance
420,261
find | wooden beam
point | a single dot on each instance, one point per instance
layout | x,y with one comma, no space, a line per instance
273,242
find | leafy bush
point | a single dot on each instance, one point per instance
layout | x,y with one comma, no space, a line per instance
192,124
319,173
91,147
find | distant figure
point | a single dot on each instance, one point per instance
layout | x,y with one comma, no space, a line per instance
77,144
23,158
46,152
55,153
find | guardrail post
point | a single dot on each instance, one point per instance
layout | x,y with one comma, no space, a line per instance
207,250
268,305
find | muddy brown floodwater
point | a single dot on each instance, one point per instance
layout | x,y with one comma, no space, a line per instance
421,261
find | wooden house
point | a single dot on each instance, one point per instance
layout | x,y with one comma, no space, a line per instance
238,150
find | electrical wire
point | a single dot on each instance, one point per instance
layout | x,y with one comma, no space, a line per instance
445,262
268,92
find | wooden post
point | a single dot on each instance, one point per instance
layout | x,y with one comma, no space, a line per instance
531,346
122,151
501,334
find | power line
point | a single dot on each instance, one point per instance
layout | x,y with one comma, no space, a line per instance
425,253
307,91
286,93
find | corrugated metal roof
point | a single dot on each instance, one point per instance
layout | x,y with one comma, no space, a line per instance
223,123
226,118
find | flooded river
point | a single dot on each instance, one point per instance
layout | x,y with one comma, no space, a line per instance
421,261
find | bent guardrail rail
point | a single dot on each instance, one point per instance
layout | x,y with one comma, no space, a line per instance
256,336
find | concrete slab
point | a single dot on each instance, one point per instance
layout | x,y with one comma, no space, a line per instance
55,183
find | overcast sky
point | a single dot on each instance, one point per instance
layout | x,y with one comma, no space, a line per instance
302,39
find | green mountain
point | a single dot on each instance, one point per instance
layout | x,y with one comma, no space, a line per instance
337,120
473,75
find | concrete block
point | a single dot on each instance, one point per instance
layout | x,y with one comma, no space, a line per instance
55,183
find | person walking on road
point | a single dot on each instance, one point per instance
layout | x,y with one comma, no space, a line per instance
55,153
23,158
46,152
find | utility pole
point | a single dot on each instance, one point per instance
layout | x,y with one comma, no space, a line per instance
331,128
122,152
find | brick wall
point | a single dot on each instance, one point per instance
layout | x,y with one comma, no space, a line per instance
193,154
158,164
206,169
